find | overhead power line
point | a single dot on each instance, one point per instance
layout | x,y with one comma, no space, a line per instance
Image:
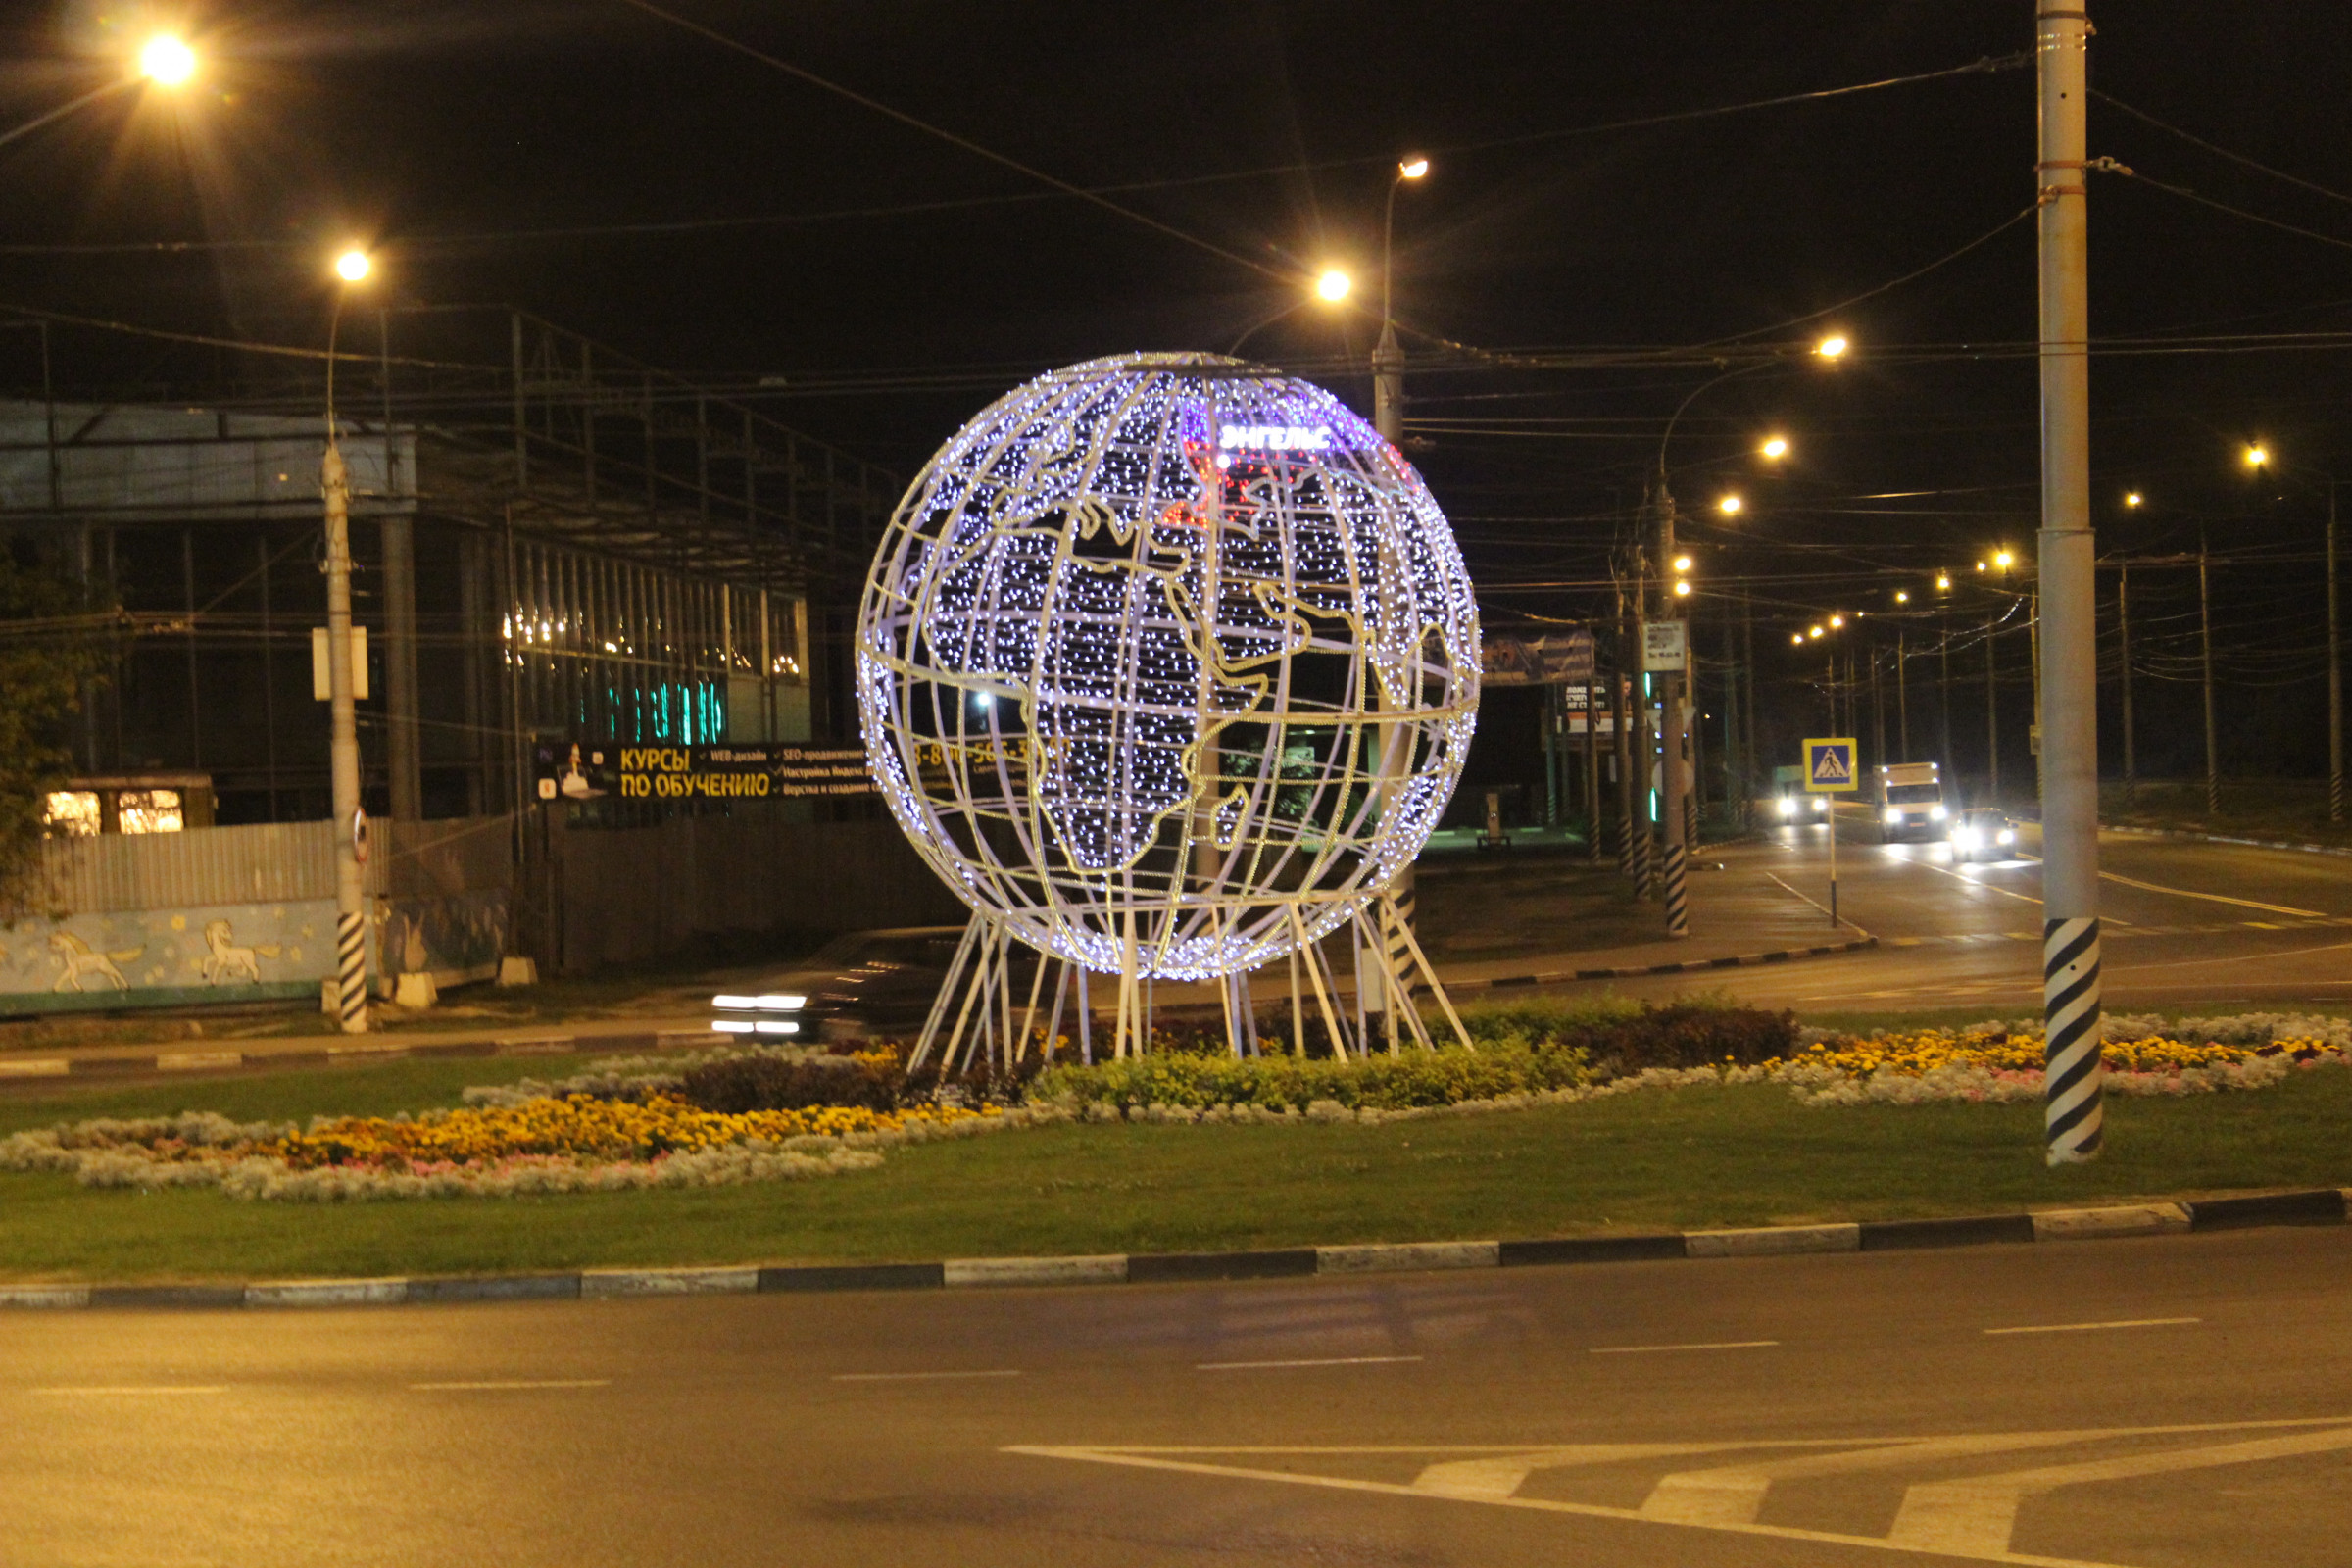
2113,102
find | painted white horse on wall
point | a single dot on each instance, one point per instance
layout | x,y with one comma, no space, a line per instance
229,961
77,961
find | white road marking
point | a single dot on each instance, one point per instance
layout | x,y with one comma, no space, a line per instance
911,1376
2213,897
1944,871
517,1383
1718,1344
1326,1360
2086,1328
1969,1517
143,1391
1976,1517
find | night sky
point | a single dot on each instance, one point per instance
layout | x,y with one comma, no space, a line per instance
706,212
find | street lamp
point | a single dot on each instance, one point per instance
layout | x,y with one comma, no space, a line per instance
1775,446
2134,500
2257,458
163,60
1333,284
1731,505
1388,359
343,743
1833,347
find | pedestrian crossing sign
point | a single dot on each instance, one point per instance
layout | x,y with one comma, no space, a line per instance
1830,766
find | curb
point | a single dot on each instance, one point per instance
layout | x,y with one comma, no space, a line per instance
2189,836
168,1062
1746,961
2324,1206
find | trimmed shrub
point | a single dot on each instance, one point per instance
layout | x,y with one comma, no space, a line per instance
871,1081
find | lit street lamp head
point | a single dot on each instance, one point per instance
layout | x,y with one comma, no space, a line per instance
1943,581
1730,506
1333,284
2257,456
1833,347
1775,446
1412,168
1681,588
2003,560
1902,596
166,60
2134,498
353,265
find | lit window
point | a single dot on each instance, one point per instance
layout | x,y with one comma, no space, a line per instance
71,813
149,811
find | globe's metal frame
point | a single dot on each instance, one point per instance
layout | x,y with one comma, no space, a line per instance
1167,665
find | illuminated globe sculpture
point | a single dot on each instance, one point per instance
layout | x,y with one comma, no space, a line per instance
1167,665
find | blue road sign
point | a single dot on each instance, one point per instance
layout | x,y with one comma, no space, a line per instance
1830,766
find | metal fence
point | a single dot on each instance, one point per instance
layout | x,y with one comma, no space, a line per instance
271,863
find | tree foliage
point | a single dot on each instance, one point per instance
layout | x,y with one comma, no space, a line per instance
48,647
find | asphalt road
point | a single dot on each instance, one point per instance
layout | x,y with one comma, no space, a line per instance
2170,1402
2185,924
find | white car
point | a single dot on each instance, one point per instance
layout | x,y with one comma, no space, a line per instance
1792,806
1982,833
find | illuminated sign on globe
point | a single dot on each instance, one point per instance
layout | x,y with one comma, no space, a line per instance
1170,662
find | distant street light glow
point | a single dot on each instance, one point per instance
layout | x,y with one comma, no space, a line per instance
1730,506
1775,446
1333,284
1681,588
2002,558
1815,632
1412,168
1902,597
352,266
1681,562
1943,580
1833,347
2134,498
166,60
2257,454
1838,622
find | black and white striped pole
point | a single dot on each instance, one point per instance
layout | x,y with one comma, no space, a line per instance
1670,661
2070,772
343,744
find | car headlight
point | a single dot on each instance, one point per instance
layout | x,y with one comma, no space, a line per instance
1788,805
1821,806
1894,816
2007,836
1965,838
1936,813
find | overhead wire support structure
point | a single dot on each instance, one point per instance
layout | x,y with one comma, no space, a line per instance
2070,805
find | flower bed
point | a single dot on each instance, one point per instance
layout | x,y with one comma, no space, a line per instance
572,1142
627,1124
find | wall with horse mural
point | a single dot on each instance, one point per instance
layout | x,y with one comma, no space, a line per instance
247,913
238,951
167,957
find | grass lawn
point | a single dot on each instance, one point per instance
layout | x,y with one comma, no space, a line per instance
1696,1158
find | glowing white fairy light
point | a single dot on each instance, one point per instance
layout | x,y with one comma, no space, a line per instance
1162,650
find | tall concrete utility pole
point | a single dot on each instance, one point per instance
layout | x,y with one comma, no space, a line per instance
1672,726
2072,1075
343,748
1387,418
2335,677
343,740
